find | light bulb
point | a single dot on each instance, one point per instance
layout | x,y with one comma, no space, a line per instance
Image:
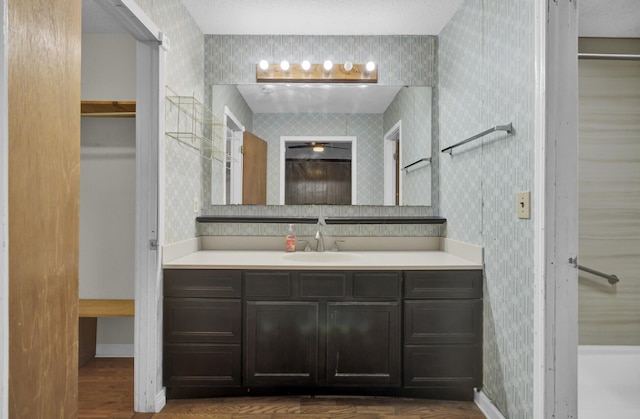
348,66
371,66
328,65
306,65
318,148
284,65
264,65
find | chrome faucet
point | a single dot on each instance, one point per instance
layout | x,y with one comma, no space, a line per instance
319,237
319,241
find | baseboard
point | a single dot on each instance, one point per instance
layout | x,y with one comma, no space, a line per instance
111,350
486,405
161,400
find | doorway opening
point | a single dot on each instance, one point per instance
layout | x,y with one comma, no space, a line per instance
318,170
233,166
392,165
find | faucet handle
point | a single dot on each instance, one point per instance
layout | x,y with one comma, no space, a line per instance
335,247
307,246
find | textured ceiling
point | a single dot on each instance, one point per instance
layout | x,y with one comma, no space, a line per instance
318,98
322,17
596,18
609,19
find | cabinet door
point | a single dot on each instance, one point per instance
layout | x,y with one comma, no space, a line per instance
363,343
281,343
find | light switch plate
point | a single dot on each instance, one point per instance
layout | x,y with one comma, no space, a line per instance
524,205
196,206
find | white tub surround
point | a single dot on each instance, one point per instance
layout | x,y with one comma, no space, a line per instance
608,382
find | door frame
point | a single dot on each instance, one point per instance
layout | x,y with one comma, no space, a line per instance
151,48
390,165
236,160
353,140
555,309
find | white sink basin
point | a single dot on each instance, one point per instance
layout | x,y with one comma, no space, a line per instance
320,257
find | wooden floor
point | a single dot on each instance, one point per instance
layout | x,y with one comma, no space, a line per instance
106,391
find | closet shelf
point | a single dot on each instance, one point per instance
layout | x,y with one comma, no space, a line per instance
107,108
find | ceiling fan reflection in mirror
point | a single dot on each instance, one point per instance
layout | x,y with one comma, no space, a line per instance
317,146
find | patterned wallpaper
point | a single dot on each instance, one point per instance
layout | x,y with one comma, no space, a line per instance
402,60
184,76
365,230
486,78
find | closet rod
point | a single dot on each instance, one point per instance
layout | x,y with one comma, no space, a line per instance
508,128
625,57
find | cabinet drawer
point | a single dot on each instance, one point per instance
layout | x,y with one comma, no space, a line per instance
443,321
268,284
202,320
443,284
202,283
442,366
372,285
323,284
202,365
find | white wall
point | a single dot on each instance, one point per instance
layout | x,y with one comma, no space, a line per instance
108,66
107,186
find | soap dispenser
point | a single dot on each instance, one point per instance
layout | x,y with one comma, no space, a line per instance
290,242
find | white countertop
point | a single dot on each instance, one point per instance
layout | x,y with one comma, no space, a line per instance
371,260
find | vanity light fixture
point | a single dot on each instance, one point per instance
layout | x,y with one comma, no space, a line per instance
348,66
318,148
326,72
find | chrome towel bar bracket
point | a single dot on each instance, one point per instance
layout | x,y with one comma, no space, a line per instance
508,128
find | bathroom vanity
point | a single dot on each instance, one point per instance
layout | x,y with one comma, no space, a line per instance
370,323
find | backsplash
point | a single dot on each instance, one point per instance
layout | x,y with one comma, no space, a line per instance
364,230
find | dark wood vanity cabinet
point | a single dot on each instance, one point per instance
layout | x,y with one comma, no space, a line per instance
322,328
202,331
413,333
443,332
